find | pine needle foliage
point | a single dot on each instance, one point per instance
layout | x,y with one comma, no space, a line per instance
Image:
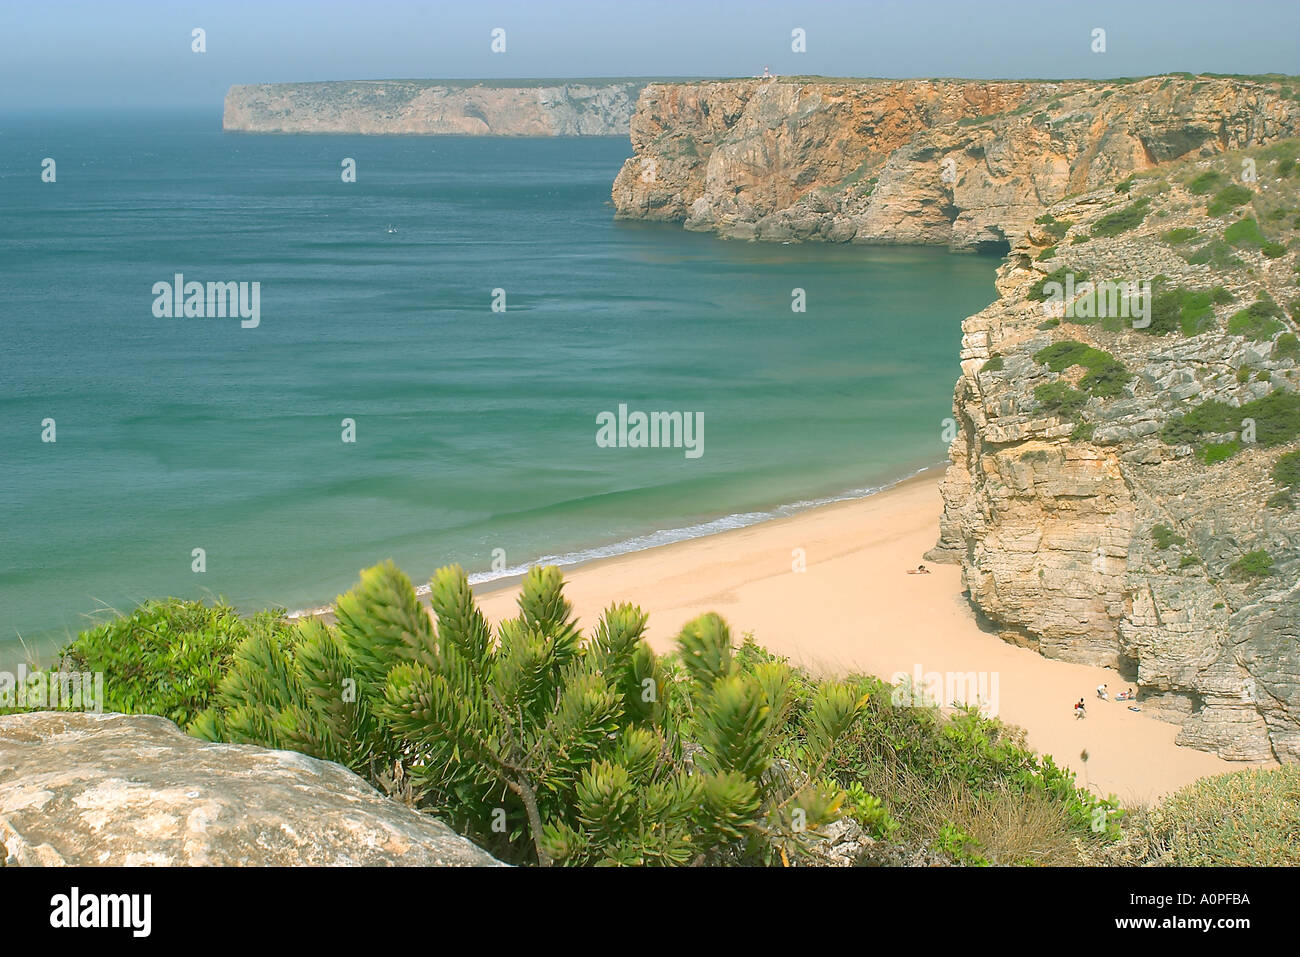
543,745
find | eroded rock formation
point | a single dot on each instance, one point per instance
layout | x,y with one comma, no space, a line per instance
865,160
1096,537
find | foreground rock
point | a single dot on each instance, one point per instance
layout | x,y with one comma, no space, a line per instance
111,789
432,107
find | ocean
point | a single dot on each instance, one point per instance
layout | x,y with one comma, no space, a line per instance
474,432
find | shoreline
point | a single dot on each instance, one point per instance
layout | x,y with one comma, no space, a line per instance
855,608
487,582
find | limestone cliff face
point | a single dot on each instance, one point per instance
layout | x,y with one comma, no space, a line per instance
957,163
1101,534
428,107
1086,525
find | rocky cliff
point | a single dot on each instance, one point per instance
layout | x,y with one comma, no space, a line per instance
1122,491
508,108
957,163
112,789
1122,487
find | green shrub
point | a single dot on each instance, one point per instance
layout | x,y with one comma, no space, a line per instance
1258,321
1247,818
1286,347
1121,220
1215,253
576,746
1059,399
1038,293
1217,452
1276,415
1244,233
1056,228
1166,537
968,772
1228,198
1047,253
1190,311
1178,236
1207,182
167,657
1286,471
1256,564
994,363
1106,376
1059,356
1187,561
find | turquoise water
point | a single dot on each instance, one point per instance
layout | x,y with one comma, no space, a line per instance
475,430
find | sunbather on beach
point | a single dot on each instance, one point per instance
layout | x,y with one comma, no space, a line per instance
918,570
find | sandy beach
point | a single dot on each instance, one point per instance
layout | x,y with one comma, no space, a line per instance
855,608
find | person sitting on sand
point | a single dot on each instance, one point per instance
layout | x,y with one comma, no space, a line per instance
918,570
1079,710
1101,692
1126,695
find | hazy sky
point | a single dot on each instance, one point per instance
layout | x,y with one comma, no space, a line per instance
133,53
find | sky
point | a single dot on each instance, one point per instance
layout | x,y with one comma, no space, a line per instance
106,54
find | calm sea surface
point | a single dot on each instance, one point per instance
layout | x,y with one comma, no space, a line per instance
475,430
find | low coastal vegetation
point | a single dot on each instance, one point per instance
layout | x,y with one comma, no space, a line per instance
167,657
1056,228
1166,537
1179,309
545,746
1105,376
1228,198
1246,818
1121,220
1179,235
1275,418
1259,321
1254,564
